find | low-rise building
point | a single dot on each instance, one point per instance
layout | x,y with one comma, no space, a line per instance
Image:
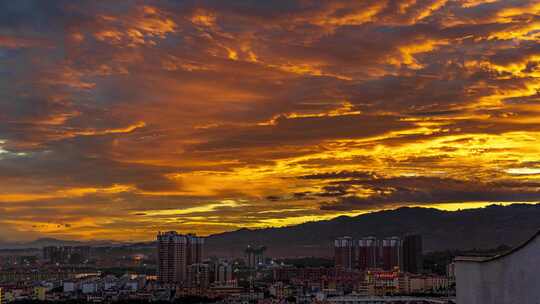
40,293
381,282
280,290
89,287
68,286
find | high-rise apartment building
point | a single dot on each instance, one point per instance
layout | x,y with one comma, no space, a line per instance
223,273
198,275
175,253
254,256
195,249
344,253
391,253
388,254
66,254
367,253
412,253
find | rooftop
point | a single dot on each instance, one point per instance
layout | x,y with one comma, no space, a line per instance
480,259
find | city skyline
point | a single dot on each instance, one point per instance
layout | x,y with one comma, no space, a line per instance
177,267
121,120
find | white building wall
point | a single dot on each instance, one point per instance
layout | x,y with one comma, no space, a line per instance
88,288
511,279
69,287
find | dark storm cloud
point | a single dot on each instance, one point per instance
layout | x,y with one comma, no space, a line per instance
84,162
390,192
516,55
301,130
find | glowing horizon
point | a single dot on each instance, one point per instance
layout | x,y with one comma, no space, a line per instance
151,234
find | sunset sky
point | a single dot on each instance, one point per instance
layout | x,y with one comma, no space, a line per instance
122,118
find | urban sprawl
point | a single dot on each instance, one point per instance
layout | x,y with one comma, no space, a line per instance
366,270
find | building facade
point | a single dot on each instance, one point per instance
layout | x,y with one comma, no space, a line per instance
367,253
412,254
511,278
66,254
223,273
388,254
344,252
198,275
391,253
254,256
175,253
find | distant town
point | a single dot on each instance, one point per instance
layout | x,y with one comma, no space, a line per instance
176,268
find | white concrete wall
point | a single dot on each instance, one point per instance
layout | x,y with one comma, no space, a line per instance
513,279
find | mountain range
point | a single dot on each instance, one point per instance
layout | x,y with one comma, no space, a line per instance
480,228
467,229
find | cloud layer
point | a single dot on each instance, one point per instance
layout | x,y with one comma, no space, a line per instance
122,119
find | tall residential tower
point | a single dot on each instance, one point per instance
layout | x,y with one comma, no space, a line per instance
254,256
344,252
412,253
391,253
367,253
175,253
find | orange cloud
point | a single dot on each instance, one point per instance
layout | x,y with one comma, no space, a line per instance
120,120
146,24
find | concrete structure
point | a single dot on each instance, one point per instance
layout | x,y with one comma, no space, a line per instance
510,278
223,273
344,252
382,283
356,299
66,254
280,290
412,253
69,286
175,253
195,250
131,286
40,293
198,275
254,256
89,288
367,253
391,253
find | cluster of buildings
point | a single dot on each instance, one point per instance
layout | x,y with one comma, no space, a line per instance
66,254
387,254
388,266
373,282
366,268
180,258
319,284
91,287
254,256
